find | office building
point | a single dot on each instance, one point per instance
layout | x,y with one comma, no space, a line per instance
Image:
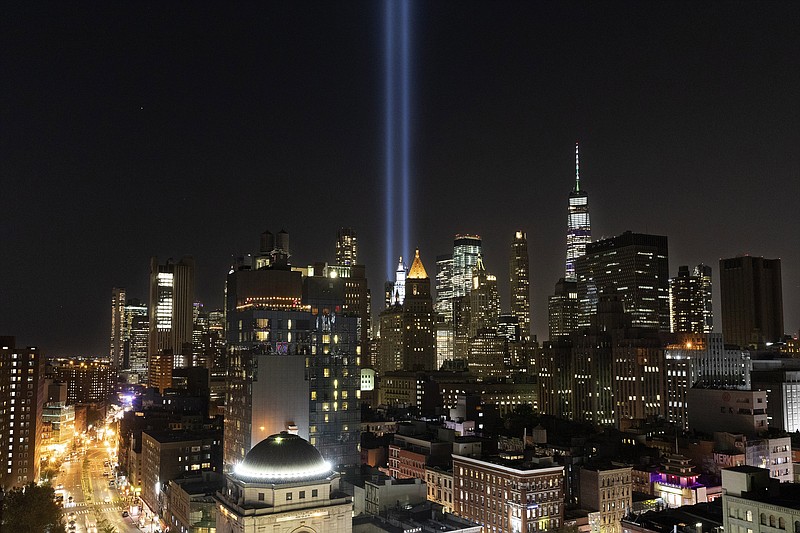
579,227
780,378
444,287
171,316
408,339
22,398
703,272
118,301
136,338
508,495
752,301
727,410
687,303
294,358
703,359
484,301
562,309
346,247
635,268
283,486
466,249
397,294
520,282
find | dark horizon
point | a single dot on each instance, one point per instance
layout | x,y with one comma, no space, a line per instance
144,129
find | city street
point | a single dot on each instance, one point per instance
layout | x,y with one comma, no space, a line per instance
93,499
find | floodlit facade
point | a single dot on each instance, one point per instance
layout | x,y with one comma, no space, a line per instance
484,300
118,300
283,486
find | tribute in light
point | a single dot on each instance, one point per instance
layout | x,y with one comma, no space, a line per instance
398,131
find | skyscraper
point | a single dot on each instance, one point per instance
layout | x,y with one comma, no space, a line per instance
346,247
635,267
562,309
484,300
752,300
444,287
136,337
703,272
466,249
519,282
408,338
118,301
22,397
171,317
688,300
579,228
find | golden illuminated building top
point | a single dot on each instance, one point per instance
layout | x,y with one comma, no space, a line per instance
417,271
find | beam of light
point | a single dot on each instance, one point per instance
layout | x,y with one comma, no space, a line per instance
406,136
389,29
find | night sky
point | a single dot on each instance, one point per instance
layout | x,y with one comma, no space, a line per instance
170,129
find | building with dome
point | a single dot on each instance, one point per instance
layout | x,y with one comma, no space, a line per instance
283,485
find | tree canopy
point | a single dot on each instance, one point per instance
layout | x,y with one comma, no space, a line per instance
32,509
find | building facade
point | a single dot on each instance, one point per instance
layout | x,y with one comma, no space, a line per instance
688,302
283,486
752,300
579,227
520,281
22,398
171,315
508,496
635,268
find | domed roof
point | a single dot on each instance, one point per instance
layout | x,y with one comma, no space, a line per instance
417,271
282,458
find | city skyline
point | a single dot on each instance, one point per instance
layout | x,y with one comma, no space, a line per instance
196,135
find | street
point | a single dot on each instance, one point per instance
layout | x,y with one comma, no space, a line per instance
84,481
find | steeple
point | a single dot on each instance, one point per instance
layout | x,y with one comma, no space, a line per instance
577,170
417,270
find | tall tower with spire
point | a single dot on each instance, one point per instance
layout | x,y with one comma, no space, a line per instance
579,229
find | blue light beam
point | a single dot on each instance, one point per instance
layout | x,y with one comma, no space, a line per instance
389,58
406,135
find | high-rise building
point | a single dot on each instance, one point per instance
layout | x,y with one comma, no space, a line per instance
136,338
346,247
444,287
752,300
397,292
635,268
562,309
466,249
294,356
171,316
688,301
519,282
408,338
118,301
703,272
22,398
484,300
89,381
579,228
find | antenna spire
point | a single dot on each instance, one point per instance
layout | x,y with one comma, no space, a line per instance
577,170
